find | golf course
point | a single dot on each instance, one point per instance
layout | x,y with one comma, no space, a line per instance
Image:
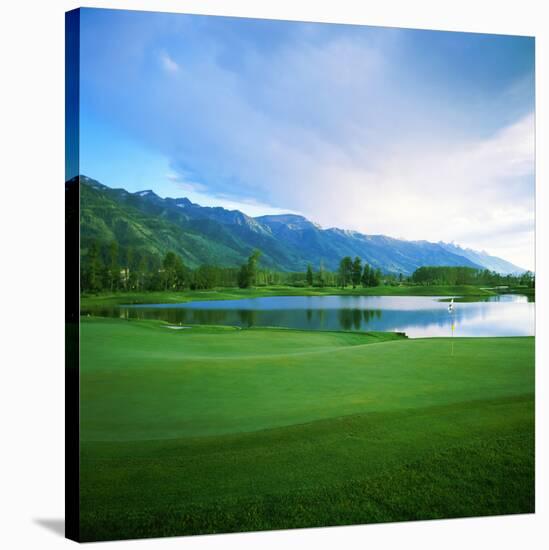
209,429
300,275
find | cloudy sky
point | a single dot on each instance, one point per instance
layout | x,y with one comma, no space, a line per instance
412,134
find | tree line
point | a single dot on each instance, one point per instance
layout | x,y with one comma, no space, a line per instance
442,275
107,267
351,272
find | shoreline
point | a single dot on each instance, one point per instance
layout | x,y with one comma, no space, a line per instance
173,297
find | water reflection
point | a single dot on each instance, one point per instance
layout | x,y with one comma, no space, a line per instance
506,315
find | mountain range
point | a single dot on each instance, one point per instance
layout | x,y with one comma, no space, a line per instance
213,235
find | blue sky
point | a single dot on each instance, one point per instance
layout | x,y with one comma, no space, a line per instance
413,134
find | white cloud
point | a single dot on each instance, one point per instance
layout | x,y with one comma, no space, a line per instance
199,194
343,131
183,183
478,193
373,168
168,64
347,150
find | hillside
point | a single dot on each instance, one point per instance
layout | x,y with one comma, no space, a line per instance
213,235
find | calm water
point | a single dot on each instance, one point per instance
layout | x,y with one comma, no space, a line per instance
505,315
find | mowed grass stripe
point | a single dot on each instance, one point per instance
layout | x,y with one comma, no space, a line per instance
141,381
446,461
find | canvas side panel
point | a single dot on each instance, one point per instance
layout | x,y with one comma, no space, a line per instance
72,275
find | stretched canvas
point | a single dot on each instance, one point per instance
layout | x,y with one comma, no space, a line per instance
300,274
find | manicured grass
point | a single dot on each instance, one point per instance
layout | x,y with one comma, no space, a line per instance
168,297
214,430
141,380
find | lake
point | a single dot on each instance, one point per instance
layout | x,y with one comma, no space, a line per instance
417,316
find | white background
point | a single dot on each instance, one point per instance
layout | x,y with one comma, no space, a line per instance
32,260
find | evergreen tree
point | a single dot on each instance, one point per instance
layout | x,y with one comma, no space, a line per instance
321,275
345,271
180,273
356,271
309,275
142,269
92,274
253,260
168,266
114,266
128,267
243,278
375,277
247,274
366,276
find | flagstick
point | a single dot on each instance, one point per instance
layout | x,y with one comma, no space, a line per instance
451,312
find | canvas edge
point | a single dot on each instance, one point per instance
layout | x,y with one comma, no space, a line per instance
72,276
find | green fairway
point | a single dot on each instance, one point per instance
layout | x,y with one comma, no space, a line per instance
172,297
214,429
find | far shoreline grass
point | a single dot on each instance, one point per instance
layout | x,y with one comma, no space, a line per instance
173,297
